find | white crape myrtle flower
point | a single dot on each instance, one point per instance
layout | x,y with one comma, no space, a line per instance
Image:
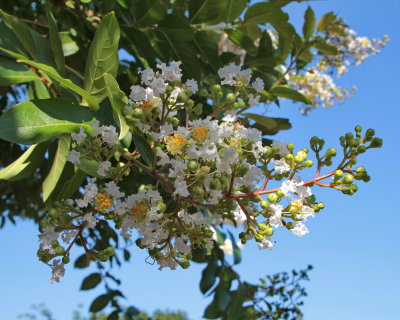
253,100
138,94
181,246
67,236
147,76
57,270
90,220
230,116
164,158
299,229
266,243
291,186
303,192
103,168
110,135
172,72
46,237
181,187
74,157
192,85
281,166
80,136
252,176
89,194
165,130
276,215
232,73
112,189
258,85
306,212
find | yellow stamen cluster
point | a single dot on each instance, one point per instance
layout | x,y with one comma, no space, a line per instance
103,202
147,105
175,143
139,210
200,134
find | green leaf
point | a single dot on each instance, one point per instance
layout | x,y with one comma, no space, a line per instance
41,91
34,121
326,48
90,167
100,303
73,184
237,254
240,39
91,281
66,83
208,276
208,48
22,31
118,100
265,53
144,148
285,92
177,26
222,297
10,43
12,72
55,41
212,311
326,21
25,164
264,121
236,304
102,57
148,12
113,315
201,11
69,46
58,166
281,124
309,23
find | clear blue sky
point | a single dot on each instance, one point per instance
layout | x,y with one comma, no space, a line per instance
353,243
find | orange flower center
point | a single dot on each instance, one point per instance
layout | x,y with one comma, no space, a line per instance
200,134
139,210
176,143
103,202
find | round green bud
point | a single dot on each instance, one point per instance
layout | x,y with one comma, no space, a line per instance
274,149
264,204
314,141
156,111
54,244
199,192
230,98
59,250
370,133
331,152
349,136
241,171
259,237
189,104
161,206
138,113
289,157
280,194
192,165
189,92
353,188
198,109
66,259
272,198
338,174
361,149
300,157
358,129
174,121
290,146
215,88
109,251
215,184
308,163
366,178
354,143
348,179
267,232
376,143
361,169
184,264
182,97
289,225
203,93
305,150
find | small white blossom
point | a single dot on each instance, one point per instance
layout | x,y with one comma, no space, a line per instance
74,157
103,167
192,85
281,166
79,137
57,270
258,85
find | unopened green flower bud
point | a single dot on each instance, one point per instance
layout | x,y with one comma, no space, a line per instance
66,259
215,184
192,165
289,157
308,163
109,251
230,98
314,141
174,121
267,232
370,133
241,171
199,192
338,174
300,157
54,244
215,88
198,109
184,263
376,143
203,92
264,204
189,104
358,129
280,194
59,250
290,146
138,113
259,237
331,152
361,149
348,179
360,169
161,206
353,143
349,136
182,97
272,198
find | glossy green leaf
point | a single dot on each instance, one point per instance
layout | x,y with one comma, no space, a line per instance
280,124
207,48
102,57
222,297
72,185
208,277
233,9
91,281
309,23
25,164
66,83
201,11
55,41
34,121
148,12
177,26
41,91
10,43
236,305
326,21
100,303
265,54
12,72
90,167
263,120
118,100
69,45
285,92
58,166
144,148
326,48
240,39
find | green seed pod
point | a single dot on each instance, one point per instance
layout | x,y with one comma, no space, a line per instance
272,198
199,192
376,143
361,149
198,109
215,184
353,143
349,136
174,121
189,104
182,97
215,88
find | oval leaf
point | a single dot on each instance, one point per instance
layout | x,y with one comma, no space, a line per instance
12,72
91,281
99,303
285,92
34,121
